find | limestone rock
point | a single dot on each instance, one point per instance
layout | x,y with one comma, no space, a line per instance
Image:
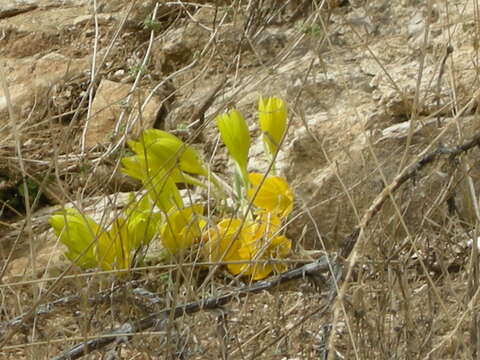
110,102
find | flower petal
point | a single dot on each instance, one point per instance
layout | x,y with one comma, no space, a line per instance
236,137
274,196
114,247
173,152
222,241
77,232
182,229
272,114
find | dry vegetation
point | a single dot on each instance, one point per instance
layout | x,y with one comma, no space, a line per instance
379,151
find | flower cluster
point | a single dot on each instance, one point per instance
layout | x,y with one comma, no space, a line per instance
90,245
247,244
251,244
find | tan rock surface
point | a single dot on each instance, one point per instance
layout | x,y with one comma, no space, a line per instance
109,103
361,79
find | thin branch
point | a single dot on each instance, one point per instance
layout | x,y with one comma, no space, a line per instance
351,244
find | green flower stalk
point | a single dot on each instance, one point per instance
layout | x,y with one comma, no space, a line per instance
236,137
272,114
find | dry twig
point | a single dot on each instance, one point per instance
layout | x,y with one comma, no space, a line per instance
156,320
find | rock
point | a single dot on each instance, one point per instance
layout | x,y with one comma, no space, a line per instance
31,79
102,19
20,13
108,105
39,31
15,7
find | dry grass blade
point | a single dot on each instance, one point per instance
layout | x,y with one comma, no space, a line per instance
381,152
156,320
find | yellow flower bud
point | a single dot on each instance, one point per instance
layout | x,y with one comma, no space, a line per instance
78,233
272,114
236,137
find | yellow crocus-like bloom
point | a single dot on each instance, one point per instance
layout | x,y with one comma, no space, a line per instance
116,247
223,241
162,160
236,137
112,249
261,241
272,114
164,192
278,247
182,228
78,233
172,151
275,195
135,167
254,241
164,151
142,222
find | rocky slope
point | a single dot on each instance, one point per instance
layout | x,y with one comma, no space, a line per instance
370,85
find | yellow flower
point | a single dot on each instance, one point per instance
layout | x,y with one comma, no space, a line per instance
262,243
164,192
142,222
182,228
275,195
159,184
276,249
112,249
272,114
223,241
134,166
116,248
146,168
161,161
78,233
172,151
236,137
257,240
164,151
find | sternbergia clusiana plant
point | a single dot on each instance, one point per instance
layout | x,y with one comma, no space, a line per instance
257,237
90,245
161,161
247,243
